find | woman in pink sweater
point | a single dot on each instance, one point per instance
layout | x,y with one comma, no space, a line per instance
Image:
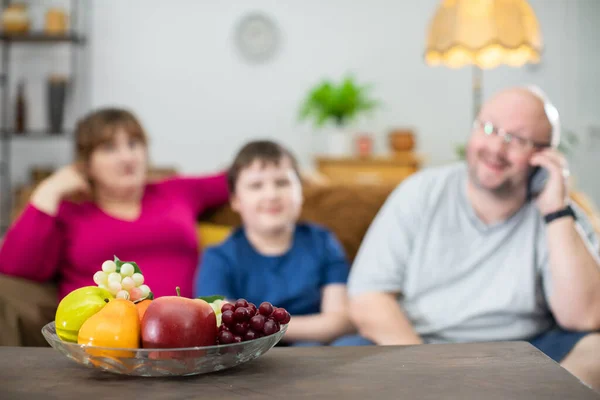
153,224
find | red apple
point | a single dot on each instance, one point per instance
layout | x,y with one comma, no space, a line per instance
174,322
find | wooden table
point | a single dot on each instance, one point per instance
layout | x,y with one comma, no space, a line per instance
375,170
453,371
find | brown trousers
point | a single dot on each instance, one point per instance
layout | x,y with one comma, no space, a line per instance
25,307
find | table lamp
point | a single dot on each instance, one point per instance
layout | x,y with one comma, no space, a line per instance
484,34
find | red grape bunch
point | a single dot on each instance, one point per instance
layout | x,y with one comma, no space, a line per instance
242,321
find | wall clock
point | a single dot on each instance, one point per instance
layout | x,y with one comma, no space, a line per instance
257,37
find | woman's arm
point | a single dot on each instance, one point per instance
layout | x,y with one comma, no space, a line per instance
32,246
202,192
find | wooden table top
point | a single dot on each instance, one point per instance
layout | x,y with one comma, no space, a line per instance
446,371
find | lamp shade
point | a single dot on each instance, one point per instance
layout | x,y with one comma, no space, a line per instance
484,33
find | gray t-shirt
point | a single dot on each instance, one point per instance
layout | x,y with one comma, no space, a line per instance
458,279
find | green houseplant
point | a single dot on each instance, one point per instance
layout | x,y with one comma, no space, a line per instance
337,103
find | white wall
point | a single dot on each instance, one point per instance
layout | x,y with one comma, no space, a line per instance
585,109
175,65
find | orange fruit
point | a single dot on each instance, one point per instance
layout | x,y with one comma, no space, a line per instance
116,325
142,306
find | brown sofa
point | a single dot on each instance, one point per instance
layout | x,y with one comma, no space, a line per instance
346,210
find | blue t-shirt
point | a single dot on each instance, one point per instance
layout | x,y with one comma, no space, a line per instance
293,280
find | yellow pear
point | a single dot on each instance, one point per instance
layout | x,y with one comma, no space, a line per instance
76,307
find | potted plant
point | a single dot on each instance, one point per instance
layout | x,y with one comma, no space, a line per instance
337,105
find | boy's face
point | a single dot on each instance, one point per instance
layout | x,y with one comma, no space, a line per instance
268,197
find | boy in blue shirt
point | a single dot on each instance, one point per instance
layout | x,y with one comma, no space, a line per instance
272,257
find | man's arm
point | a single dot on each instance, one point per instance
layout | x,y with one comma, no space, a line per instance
379,319
573,274
377,275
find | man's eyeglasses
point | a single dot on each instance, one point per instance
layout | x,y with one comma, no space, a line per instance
514,141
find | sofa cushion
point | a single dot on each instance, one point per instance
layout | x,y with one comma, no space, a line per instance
210,234
347,210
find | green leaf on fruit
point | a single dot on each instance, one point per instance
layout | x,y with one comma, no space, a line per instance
211,299
150,296
119,263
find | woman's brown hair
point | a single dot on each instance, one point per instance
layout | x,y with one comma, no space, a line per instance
100,126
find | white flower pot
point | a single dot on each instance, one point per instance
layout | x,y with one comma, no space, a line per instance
339,142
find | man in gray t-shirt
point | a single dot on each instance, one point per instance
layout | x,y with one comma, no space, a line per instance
474,252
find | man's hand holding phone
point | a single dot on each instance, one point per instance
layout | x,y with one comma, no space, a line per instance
555,194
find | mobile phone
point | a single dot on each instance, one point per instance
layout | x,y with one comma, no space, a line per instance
537,180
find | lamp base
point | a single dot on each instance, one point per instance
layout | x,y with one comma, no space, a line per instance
477,89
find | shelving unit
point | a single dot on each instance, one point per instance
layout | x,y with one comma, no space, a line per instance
41,37
37,134
7,135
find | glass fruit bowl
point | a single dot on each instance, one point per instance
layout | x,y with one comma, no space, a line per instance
163,362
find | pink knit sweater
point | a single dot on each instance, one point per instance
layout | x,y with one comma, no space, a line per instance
72,245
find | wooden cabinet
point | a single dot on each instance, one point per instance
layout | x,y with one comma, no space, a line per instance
376,170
